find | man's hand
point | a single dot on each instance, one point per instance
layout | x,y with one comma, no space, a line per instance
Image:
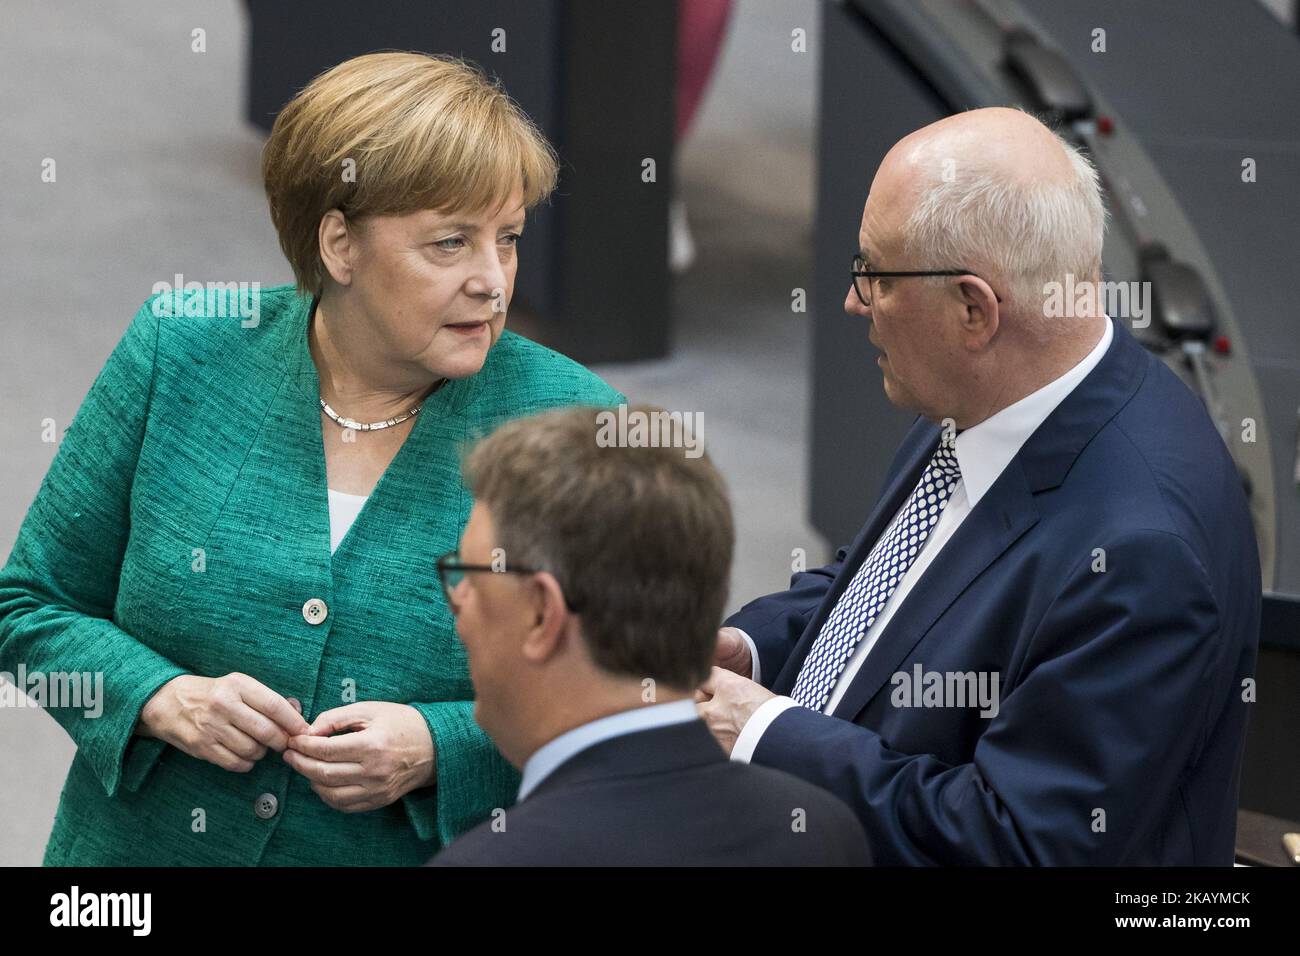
388,753
732,652
726,702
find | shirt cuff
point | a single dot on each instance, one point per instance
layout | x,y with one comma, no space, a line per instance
758,722
756,672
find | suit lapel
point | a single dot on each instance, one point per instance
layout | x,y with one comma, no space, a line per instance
1004,514
926,440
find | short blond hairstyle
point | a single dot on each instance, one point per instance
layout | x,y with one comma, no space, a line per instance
421,132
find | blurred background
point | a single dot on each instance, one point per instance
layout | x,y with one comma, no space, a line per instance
716,287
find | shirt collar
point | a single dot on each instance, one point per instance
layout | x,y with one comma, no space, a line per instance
548,757
984,450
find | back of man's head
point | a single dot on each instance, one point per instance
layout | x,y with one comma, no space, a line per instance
998,190
639,537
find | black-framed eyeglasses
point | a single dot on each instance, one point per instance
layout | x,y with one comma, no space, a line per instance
452,570
860,271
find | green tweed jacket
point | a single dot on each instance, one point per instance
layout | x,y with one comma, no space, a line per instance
181,528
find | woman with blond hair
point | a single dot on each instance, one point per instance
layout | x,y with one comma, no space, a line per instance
240,527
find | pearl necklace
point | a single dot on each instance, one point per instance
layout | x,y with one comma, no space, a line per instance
367,427
373,426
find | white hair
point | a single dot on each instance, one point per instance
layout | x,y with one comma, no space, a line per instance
1018,232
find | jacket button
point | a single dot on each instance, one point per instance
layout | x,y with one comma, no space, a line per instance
266,805
315,611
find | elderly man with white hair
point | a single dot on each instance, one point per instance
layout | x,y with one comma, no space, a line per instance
1039,648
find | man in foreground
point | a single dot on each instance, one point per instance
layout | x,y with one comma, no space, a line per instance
587,591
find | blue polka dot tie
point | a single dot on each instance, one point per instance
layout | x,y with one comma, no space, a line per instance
877,578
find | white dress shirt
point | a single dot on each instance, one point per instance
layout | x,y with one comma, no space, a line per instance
550,755
983,451
344,509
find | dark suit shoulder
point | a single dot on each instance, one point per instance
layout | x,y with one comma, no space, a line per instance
718,814
808,809
1160,465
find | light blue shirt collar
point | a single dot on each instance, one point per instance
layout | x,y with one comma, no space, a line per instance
550,755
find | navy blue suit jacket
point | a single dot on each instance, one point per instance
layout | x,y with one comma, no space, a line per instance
667,796
1119,732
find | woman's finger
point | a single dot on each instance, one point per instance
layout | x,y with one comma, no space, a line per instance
343,748
260,727
348,798
271,705
239,743
348,717
220,755
324,771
